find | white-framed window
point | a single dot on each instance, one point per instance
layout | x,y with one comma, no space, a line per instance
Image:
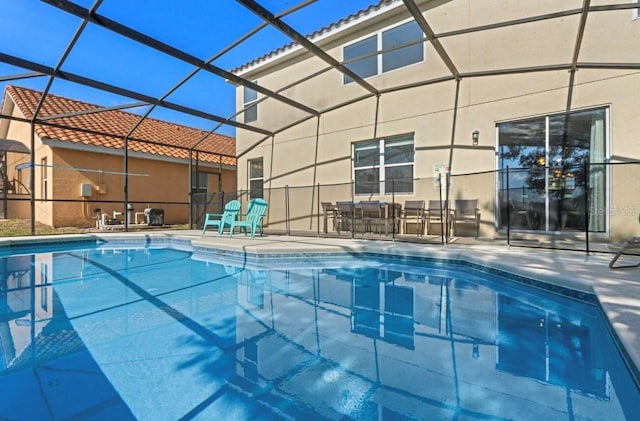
250,98
400,46
255,169
384,166
361,58
636,11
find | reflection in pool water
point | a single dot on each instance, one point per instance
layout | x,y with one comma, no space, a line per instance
157,334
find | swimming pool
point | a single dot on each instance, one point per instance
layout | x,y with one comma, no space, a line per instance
146,333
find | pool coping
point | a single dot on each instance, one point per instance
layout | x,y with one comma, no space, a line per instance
615,291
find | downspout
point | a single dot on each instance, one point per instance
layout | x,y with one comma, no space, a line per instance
126,182
375,119
375,137
197,185
32,182
190,188
453,137
5,183
273,148
220,184
315,173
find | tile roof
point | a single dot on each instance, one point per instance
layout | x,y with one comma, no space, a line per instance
108,128
320,32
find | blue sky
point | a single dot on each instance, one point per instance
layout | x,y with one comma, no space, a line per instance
38,32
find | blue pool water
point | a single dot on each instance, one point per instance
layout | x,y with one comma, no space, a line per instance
161,334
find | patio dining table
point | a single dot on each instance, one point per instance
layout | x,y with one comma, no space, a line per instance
377,216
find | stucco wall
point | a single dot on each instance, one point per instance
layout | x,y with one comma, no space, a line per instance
320,151
152,183
18,205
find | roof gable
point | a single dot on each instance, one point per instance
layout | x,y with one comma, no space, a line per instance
335,27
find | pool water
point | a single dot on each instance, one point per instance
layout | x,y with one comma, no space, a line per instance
144,333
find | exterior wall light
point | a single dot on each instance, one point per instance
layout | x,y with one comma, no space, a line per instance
474,137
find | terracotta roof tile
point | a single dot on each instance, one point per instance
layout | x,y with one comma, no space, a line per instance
108,128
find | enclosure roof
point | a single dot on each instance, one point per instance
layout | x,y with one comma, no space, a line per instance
109,127
183,62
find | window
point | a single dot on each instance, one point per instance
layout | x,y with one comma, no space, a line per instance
398,165
367,167
200,182
44,181
394,54
400,46
636,11
250,105
200,187
365,66
256,178
384,165
548,182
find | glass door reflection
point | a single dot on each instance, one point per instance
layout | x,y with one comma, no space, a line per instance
522,149
556,172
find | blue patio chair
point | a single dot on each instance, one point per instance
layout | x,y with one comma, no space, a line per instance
231,211
253,218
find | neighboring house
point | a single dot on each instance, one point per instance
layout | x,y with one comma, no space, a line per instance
493,91
80,166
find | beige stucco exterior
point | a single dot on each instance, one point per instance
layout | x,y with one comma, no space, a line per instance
154,181
319,150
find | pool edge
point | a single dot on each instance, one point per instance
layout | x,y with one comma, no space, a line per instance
260,250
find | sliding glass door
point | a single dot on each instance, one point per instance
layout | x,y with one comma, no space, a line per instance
556,172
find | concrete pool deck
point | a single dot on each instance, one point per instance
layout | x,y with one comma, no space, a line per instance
618,291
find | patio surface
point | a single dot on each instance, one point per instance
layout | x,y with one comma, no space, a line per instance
618,291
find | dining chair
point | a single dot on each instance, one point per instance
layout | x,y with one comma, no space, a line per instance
466,212
347,216
329,211
413,213
437,213
373,216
